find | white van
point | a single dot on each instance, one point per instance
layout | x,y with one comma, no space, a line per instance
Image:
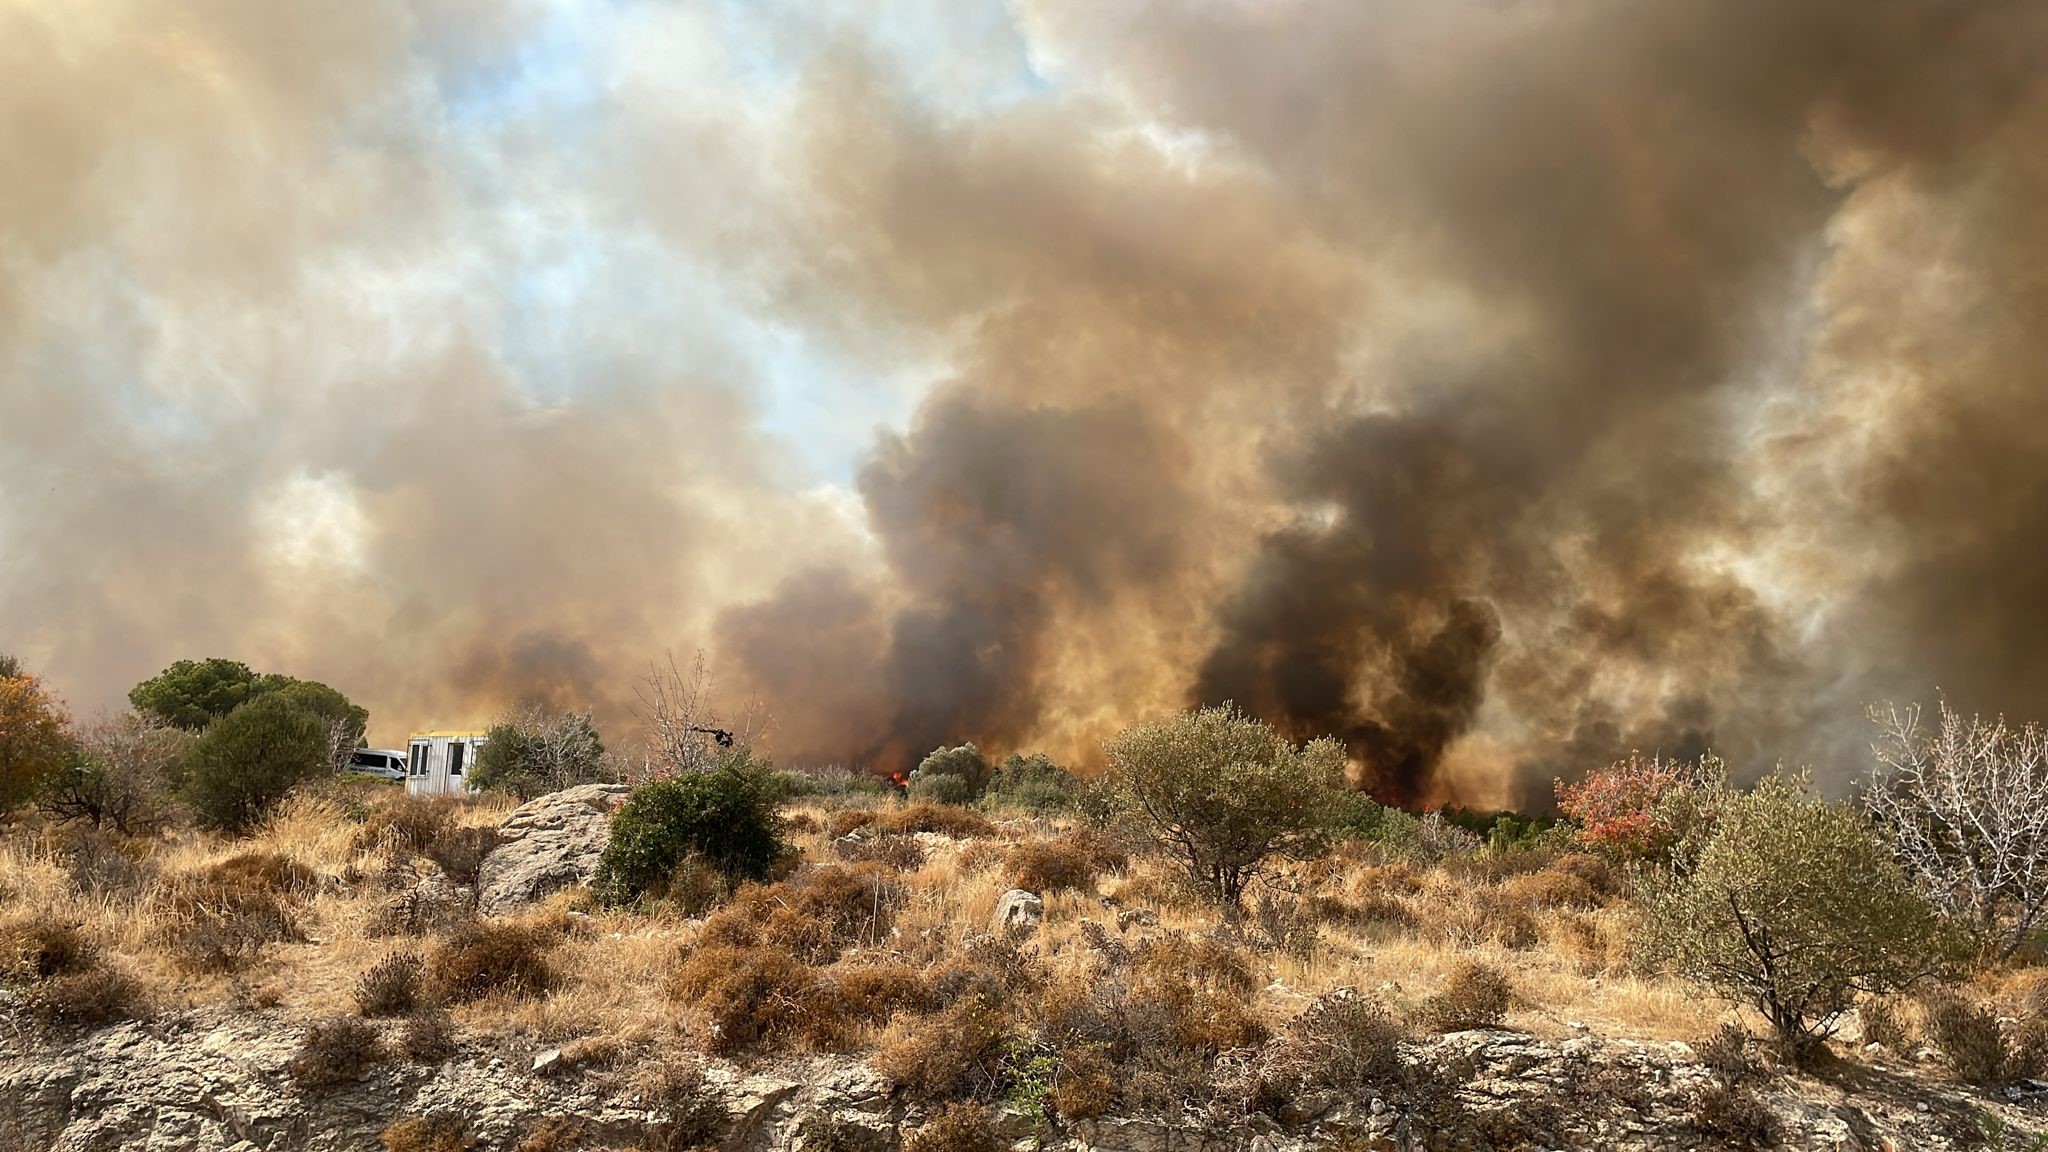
381,763
436,762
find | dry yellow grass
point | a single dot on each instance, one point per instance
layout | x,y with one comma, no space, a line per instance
1395,928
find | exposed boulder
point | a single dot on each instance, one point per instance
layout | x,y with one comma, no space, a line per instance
546,844
1018,912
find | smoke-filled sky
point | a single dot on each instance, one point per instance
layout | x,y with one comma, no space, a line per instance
1499,385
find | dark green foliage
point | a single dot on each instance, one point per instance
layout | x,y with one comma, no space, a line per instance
533,754
192,694
249,759
725,816
344,719
964,763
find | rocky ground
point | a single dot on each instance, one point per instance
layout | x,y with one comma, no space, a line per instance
214,1080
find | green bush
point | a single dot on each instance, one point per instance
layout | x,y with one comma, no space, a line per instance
1223,793
725,816
247,760
1794,905
964,763
533,754
1357,816
1034,783
940,789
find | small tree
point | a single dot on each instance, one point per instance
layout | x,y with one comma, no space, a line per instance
1223,793
725,817
1793,906
1034,782
121,774
685,732
191,694
531,753
951,775
247,760
1645,807
1967,808
35,738
343,719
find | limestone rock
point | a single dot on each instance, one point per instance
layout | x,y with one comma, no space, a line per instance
548,843
1019,912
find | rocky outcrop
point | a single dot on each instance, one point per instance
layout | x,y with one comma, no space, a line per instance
210,1080
1018,912
546,844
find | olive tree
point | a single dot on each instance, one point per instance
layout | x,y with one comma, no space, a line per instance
1223,793
532,752
1794,905
1966,804
247,760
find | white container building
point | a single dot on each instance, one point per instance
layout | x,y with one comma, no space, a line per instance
437,762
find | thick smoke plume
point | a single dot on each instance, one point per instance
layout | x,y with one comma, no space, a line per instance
1495,386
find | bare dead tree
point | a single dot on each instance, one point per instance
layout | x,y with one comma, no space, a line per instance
685,731
120,776
1967,807
343,736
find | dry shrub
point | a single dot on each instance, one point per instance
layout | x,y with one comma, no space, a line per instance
335,1050
440,1133
1736,1114
406,823
1192,994
99,863
893,850
1398,879
848,820
429,1036
416,912
1730,1053
392,985
688,1114
951,1054
38,946
1468,915
1475,995
1968,1036
482,958
1581,939
1346,1043
1071,860
218,918
985,967
85,998
1885,1023
814,915
1595,871
744,996
872,994
1369,910
1549,888
955,1128
64,980
944,819
1085,1086
460,852
979,856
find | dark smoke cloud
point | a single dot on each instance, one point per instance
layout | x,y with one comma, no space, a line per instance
1496,386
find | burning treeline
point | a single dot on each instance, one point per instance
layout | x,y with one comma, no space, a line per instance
1498,387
